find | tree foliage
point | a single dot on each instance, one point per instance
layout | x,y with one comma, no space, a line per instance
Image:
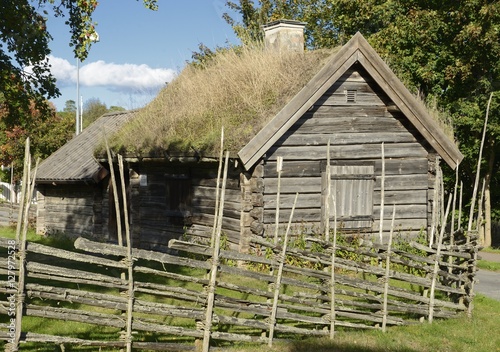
25,76
46,133
92,110
26,82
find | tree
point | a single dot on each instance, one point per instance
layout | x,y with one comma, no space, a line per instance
26,83
92,110
70,106
46,133
445,50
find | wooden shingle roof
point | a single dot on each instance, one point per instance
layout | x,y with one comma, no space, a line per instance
357,50
74,162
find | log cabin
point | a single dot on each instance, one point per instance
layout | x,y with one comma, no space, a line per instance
351,144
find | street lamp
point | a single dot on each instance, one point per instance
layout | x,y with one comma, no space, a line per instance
94,37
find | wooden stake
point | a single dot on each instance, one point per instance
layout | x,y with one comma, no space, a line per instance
130,261
115,194
478,168
328,193
479,218
215,265
279,168
436,262
333,313
27,193
435,204
217,200
387,270
277,284
460,207
452,230
24,183
382,196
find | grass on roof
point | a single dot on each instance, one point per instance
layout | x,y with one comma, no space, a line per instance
240,89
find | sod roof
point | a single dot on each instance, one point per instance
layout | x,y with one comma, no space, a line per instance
239,89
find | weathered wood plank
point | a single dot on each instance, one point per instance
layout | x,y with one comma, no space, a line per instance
345,138
304,185
348,124
348,152
308,200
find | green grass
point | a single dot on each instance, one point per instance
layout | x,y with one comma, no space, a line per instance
478,334
57,241
486,265
491,250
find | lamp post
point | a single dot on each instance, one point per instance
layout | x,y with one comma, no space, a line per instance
94,37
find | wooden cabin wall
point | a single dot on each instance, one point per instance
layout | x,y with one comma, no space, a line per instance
155,219
356,130
73,210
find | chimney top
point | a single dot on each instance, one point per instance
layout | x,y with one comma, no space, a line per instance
284,35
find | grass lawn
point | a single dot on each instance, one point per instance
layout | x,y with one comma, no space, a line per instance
478,334
486,265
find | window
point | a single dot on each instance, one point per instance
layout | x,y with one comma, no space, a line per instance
352,193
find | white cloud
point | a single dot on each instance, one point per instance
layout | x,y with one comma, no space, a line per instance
131,78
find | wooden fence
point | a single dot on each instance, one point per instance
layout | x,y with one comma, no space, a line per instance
211,295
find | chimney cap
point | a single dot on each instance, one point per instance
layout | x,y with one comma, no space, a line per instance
283,21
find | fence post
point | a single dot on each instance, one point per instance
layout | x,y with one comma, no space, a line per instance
436,262
277,284
387,270
333,313
21,233
215,265
130,260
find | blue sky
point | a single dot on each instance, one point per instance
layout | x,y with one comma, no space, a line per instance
138,49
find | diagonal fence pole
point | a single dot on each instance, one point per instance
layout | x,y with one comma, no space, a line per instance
21,233
333,313
215,265
129,260
436,262
387,270
277,284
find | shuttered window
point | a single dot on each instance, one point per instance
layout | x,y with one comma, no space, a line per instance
352,191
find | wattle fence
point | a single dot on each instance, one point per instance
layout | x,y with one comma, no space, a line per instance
157,301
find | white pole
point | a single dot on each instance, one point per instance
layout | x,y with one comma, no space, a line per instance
81,113
77,95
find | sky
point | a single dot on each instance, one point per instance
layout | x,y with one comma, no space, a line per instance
139,50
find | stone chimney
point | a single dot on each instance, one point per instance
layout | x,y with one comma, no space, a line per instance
284,35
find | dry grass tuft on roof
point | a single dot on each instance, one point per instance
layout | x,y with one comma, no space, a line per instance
240,89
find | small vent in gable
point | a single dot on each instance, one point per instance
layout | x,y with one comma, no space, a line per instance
350,96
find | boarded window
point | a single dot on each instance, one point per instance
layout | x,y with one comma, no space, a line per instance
351,199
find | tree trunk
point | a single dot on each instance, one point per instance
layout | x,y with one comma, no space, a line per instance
487,196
